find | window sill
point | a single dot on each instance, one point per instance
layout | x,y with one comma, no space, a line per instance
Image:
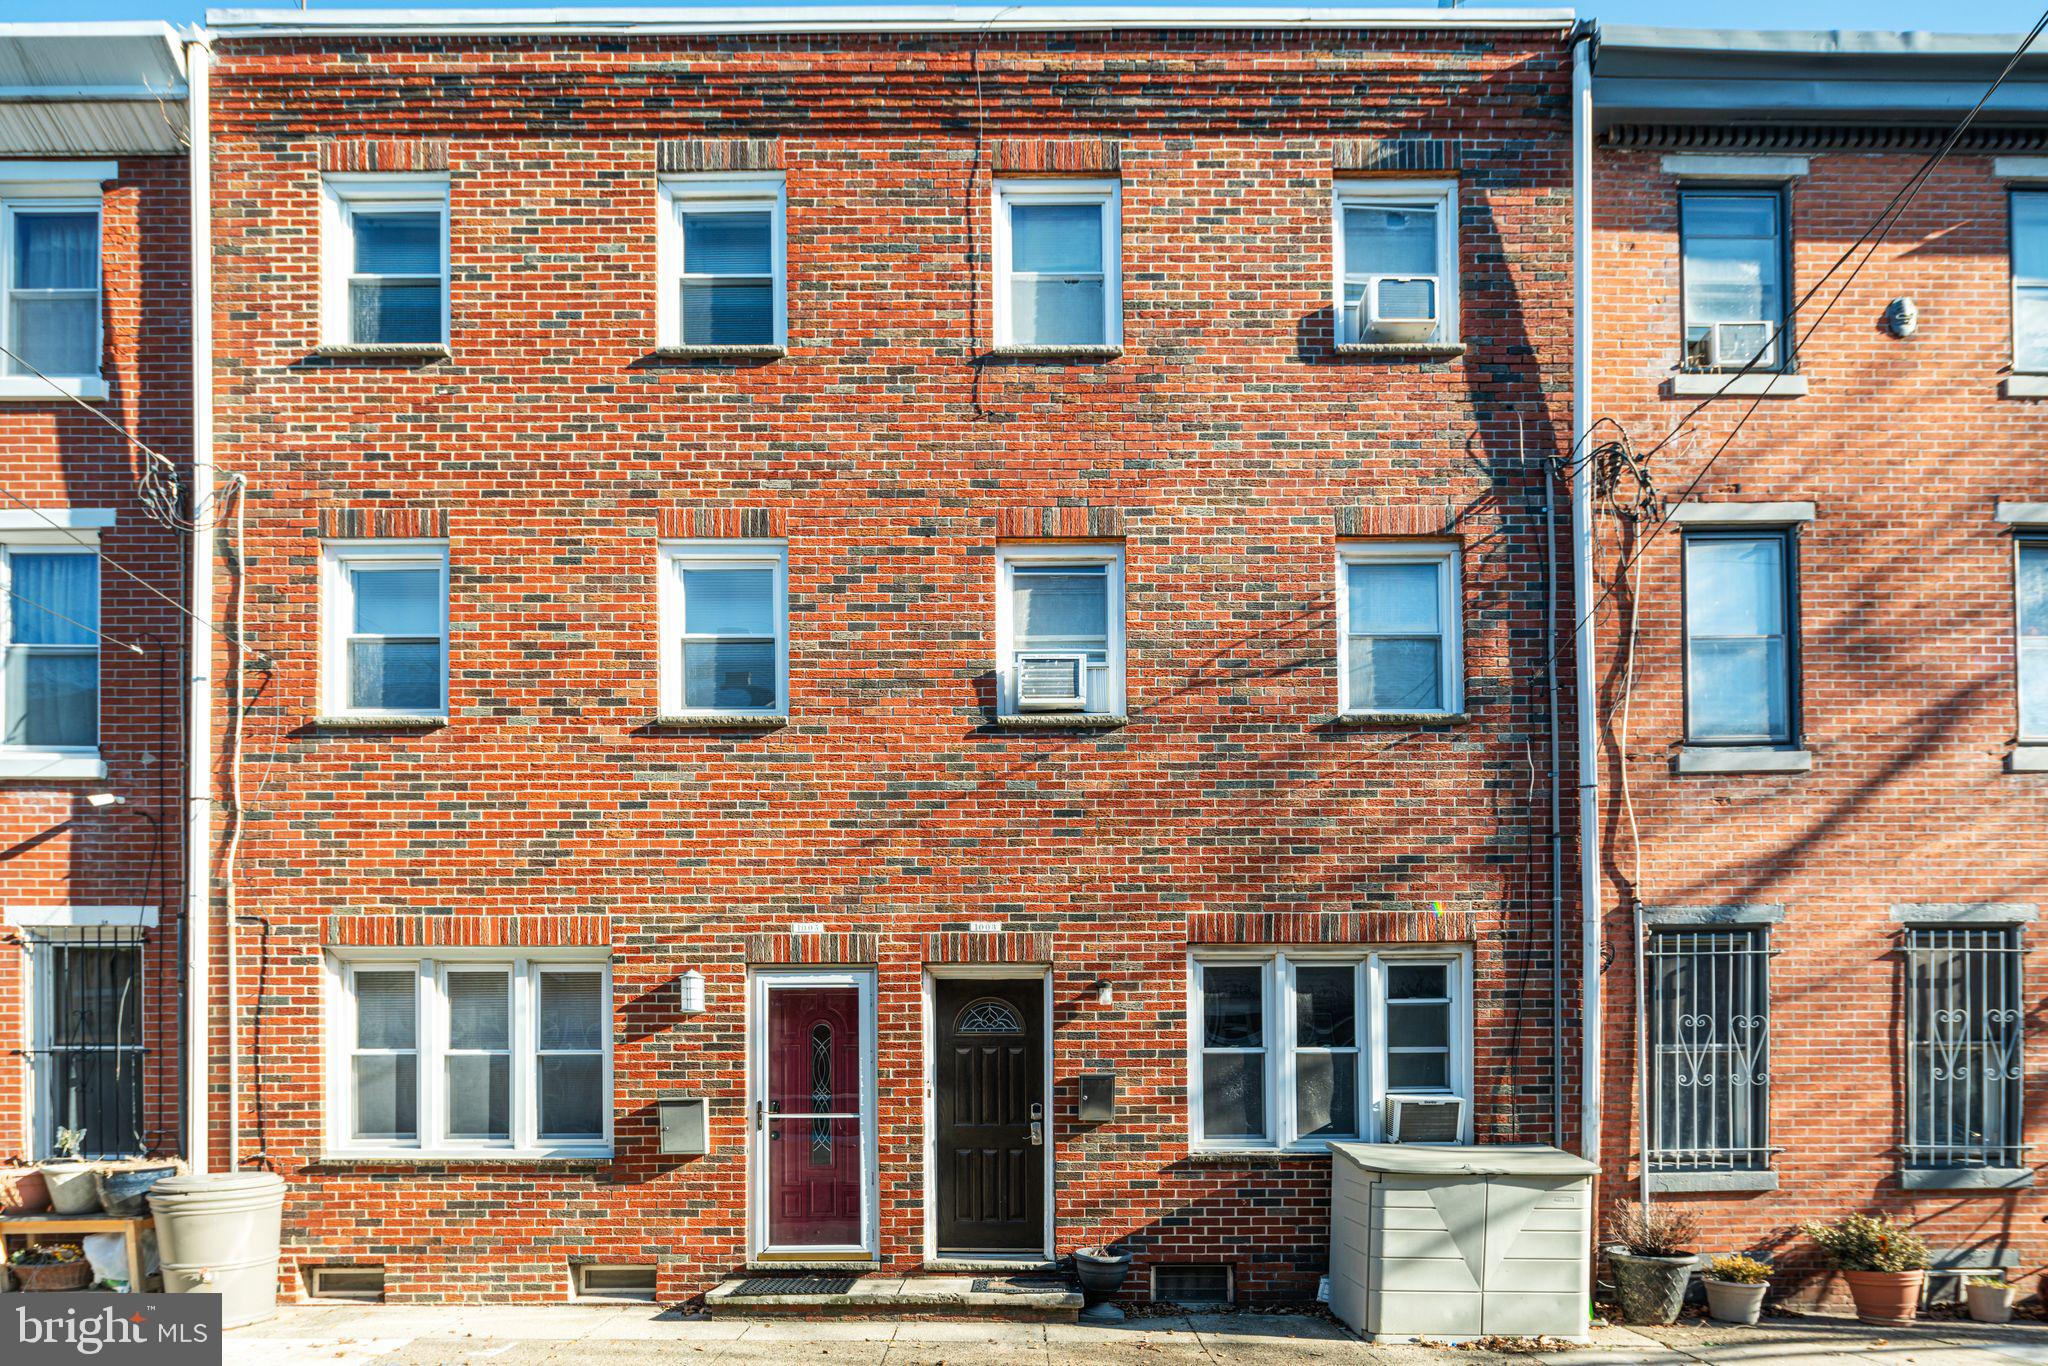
1704,1183
1260,1155
1056,352
2027,758
2024,386
720,720
713,352
1369,719
1400,350
1768,384
1062,720
465,1156
56,389
31,765
1965,1178
385,351
370,722
1741,759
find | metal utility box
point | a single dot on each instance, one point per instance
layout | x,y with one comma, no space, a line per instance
683,1127
1460,1242
1098,1097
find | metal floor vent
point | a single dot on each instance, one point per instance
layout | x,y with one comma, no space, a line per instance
1191,1287
796,1285
1020,1285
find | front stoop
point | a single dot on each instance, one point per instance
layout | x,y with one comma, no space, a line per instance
820,1295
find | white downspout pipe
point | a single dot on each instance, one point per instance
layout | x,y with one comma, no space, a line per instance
1582,594
199,682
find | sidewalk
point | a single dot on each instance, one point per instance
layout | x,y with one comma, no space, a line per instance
589,1335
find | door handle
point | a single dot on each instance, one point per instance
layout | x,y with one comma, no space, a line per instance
760,1114
1037,1133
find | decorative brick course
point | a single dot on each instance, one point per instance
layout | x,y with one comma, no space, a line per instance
683,155
1044,156
376,523
467,931
383,154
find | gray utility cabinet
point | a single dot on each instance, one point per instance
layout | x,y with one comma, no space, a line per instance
1460,1242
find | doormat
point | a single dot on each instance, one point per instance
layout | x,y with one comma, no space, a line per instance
1021,1285
796,1285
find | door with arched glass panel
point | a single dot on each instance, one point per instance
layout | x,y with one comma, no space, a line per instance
813,1113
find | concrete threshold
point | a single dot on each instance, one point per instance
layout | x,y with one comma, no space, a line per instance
992,1298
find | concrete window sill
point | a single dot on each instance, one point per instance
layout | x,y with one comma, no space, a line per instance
1396,719
1257,1155
1965,1178
521,1156
1710,759
852,1265
1701,1183
2030,758
1767,385
1400,350
56,389
44,766
720,720
2024,386
1063,720
1056,353
386,351
720,352
380,722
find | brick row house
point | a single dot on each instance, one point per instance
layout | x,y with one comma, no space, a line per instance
1822,688
95,442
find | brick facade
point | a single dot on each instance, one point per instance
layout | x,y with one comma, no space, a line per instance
1226,449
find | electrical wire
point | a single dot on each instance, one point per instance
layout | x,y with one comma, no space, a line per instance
92,631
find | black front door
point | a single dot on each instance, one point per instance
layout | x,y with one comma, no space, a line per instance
989,1093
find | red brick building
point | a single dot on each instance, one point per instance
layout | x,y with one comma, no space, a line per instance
802,578
1821,759
95,403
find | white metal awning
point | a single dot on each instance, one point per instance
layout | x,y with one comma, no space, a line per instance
91,89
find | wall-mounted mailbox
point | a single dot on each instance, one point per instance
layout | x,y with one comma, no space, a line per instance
1098,1097
684,1128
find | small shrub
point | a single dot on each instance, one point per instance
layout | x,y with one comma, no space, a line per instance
1858,1242
48,1254
71,1144
1992,1278
1652,1230
1739,1270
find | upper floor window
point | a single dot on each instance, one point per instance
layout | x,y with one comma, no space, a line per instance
1060,629
725,628
386,629
49,626
1732,245
50,277
385,272
1397,262
721,242
1058,263
1398,628
2030,281
2032,571
1741,645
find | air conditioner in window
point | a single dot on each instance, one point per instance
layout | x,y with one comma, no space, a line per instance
1731,346
1425,1119
1400,308
1052,682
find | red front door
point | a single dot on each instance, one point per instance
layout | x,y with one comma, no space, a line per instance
815,1143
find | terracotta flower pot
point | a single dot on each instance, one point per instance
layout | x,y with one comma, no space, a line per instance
1651,1290
1990,1303
72,1187
1888,1297
1735,1301
55,1276
22,1191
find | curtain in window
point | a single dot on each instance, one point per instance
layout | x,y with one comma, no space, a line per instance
51,683
1057,284
56,292
1396,637
729,284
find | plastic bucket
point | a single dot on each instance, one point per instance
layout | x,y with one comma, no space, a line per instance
218,1234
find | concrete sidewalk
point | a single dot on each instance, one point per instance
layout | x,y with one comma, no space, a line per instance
591,1335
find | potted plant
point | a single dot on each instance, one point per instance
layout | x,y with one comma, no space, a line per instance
1102,1274
70,1178
1652,1255
22,1190
1735,1288
52,1266
1884,1263
1990,1297
124,1186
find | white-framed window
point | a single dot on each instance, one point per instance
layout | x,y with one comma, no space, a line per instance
1058,263
49,650
1059,629
384,267
385,628
722,246
1399,628
1293,1048
724,620
2030,567
469,1052
1396,261
50,291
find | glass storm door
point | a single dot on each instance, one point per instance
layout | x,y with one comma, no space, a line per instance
815,1121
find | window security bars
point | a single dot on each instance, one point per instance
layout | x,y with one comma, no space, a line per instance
87,1053
1709,1047
1964,1014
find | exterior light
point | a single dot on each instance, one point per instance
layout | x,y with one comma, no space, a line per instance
1105,994
106,799
690,991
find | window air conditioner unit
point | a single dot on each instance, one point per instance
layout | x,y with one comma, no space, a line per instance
1425,1119
1401,308
1731,346
1049,682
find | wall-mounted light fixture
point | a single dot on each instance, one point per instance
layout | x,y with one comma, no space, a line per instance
1105,994
690,992
106,799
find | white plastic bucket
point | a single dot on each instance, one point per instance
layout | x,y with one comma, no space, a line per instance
218,1234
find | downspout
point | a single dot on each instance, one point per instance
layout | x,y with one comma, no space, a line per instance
199,689
1585,682
1552,724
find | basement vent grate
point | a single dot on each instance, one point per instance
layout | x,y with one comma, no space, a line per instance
1191,1287
1020,1285
361,1283
796,1285
598,1282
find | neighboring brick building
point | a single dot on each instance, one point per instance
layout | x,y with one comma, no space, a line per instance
1831,827
94,295
853,525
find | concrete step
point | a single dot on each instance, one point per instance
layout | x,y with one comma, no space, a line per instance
1036,1298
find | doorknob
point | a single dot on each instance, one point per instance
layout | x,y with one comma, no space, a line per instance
1037,1132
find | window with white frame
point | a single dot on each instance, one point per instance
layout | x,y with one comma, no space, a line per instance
1733,268
49,645
385,268
470,1053
1058,263
1294,1049
1741,646
50,284
2031,572
1060,629
1399,629
2029,218
386,628
1397,262
722,245
1965,1057
724,628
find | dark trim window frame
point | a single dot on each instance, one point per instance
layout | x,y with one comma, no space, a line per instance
2029,286
1707,1025
1693,355
1964,1013
1790,733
